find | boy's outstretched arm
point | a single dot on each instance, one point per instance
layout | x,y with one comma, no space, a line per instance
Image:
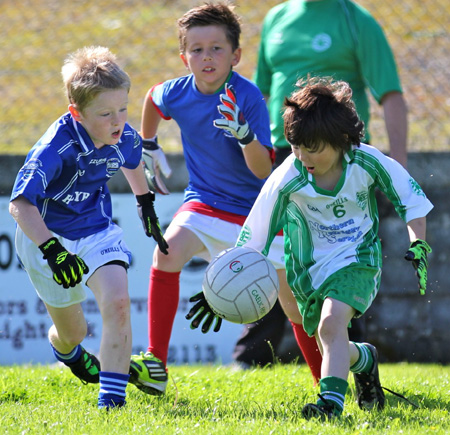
418,251
150,118
136,180
145,199
68,269
153,156
417,229
29,220
258,159
256,155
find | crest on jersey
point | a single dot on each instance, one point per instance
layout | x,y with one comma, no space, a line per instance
415,187
137,140
321,42
112,166
361,199
30,168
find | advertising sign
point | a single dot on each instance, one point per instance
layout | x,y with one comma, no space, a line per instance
24,321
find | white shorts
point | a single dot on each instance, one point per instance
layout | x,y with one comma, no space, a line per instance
217,235
96,250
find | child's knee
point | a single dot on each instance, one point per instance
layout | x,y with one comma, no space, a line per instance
70,338
327,327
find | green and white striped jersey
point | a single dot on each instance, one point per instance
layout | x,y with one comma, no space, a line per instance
325,231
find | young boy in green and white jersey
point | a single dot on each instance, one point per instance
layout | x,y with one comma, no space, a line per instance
323,196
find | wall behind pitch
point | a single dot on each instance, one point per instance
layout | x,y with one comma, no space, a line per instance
24,321
402,324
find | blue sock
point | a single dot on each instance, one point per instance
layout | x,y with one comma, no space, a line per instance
68,358
112,390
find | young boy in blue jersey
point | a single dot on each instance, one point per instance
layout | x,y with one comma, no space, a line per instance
323,196
228,158
65,234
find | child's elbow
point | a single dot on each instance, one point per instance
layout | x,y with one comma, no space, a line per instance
13,209
262,174
264,169
16,206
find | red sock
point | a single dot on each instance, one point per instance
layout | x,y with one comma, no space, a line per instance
310,351
163,297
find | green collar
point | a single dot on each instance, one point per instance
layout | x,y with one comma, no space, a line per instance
347,158
226,81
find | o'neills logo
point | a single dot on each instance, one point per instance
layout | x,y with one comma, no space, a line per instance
244,236
236,266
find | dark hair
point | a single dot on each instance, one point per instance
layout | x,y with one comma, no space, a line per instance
322,112
210,14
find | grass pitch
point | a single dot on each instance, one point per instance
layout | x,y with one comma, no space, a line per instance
204,400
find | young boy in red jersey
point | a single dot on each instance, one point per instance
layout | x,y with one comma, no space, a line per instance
228,158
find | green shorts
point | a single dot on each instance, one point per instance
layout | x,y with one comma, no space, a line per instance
355,285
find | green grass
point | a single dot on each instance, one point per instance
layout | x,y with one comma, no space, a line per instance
218,400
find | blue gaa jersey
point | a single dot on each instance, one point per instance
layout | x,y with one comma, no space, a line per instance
218,174
65,177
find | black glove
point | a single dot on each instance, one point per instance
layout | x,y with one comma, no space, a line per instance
201,310
150,221
418,253
67,268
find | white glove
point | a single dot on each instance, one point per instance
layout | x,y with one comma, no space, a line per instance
234,121
155,162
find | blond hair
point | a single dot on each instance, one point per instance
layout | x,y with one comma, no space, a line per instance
89,71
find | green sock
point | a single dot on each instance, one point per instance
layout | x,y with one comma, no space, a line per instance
365,360
333,390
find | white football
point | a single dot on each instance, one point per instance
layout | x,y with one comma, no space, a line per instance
241,285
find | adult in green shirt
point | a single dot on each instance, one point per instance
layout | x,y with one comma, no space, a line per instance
337,38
